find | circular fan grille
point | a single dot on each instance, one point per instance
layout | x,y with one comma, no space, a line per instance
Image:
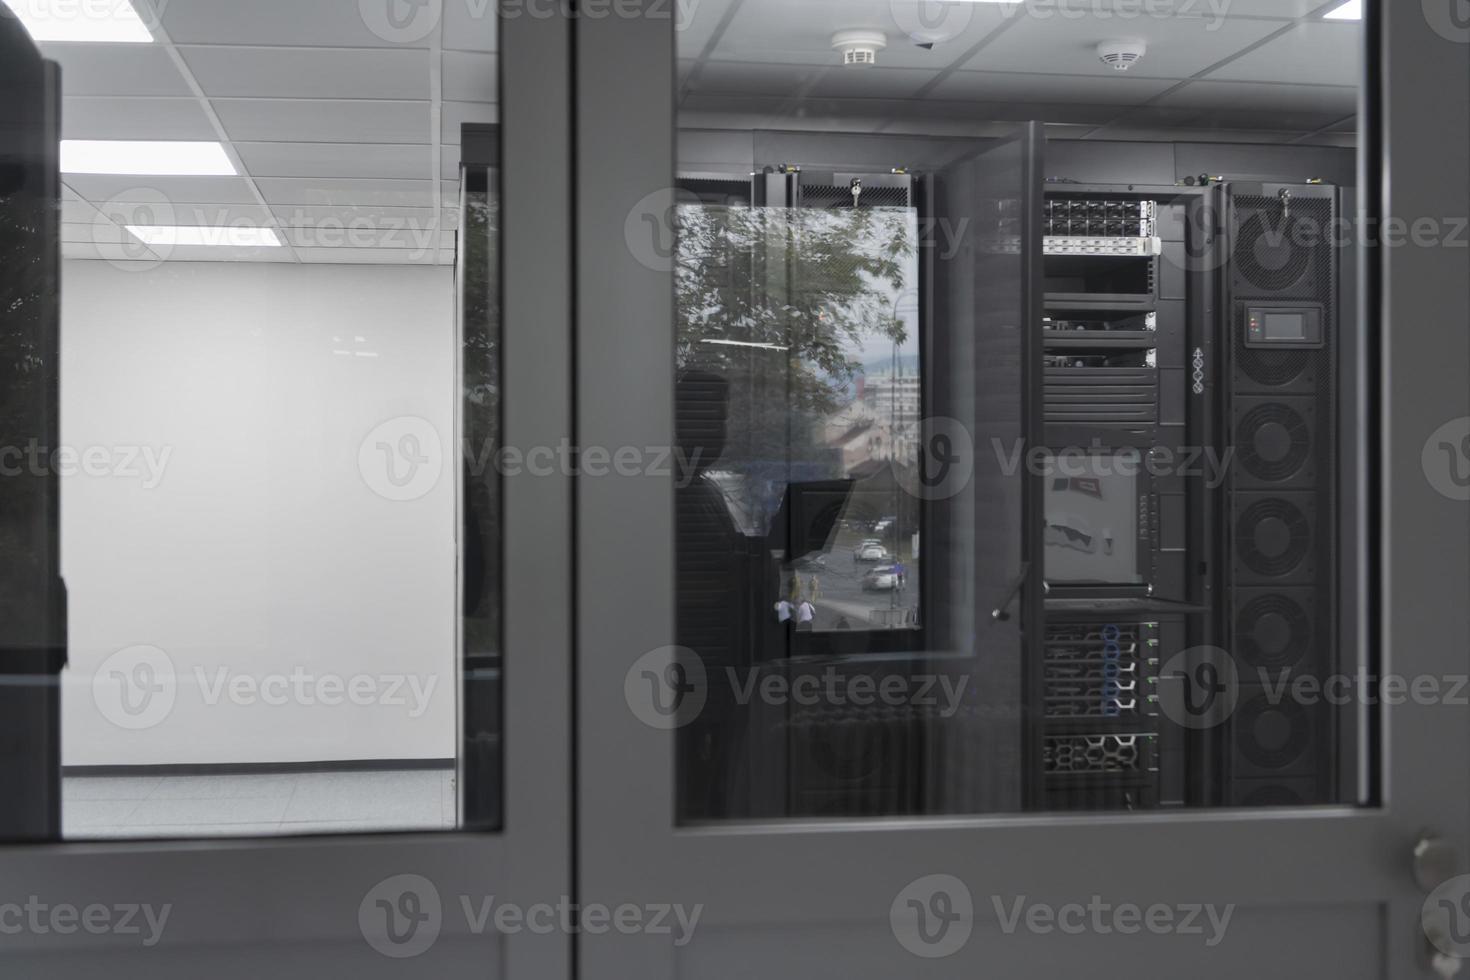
1270,253
1273,631
1272,736
1273,368
1273,794
1273,536
1274,441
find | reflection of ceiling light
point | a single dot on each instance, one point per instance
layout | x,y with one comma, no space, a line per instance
1351,10
159,158
204,235
746,343
51,20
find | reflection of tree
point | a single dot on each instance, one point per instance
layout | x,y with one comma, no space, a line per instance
28,287
813,288
816,283
481,354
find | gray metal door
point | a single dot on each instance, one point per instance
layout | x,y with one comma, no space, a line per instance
368,905
970,889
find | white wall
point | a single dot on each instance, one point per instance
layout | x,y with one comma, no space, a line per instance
264,550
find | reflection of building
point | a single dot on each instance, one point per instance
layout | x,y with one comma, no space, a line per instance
881,423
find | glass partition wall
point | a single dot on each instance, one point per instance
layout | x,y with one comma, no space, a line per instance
1021,472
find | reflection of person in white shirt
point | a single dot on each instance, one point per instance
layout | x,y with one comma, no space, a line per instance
805,612
783,611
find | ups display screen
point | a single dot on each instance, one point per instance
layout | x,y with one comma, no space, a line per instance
1092,521
1285,326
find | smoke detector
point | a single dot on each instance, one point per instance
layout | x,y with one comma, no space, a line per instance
859,47
1121,55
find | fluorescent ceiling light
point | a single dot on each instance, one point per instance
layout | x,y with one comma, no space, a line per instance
81,20
158,158
1352,10
170,235
746,343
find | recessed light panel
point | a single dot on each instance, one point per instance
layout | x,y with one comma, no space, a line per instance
231,237
1352,10
81,20
161,158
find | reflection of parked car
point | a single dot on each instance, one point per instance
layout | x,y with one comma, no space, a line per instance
811,563
872,552
866,543
881,579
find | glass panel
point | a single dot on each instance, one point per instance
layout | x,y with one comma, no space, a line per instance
269,630
1019,473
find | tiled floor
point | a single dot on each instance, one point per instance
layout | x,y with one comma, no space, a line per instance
257,805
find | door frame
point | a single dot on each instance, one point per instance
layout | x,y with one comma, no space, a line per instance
289,906
823,874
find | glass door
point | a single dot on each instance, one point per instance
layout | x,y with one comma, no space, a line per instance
1027,499
279,367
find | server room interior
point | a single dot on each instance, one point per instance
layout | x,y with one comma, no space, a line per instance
993,630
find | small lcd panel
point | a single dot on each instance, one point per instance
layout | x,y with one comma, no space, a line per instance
1285,326
1092,514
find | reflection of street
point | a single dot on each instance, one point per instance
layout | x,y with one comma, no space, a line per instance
840,600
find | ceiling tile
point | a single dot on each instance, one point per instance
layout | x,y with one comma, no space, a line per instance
309,120
470,77
161,192
1033,87
1316,53
780,32
117,69
470,25
330,23
1177,48
347,217
456,114
1265,99
873,83
370,256
696,23
310,73
135,119
753,78
327,192
336,159
1125,12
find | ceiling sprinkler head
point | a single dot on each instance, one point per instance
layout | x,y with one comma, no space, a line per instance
859,47
1121,55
